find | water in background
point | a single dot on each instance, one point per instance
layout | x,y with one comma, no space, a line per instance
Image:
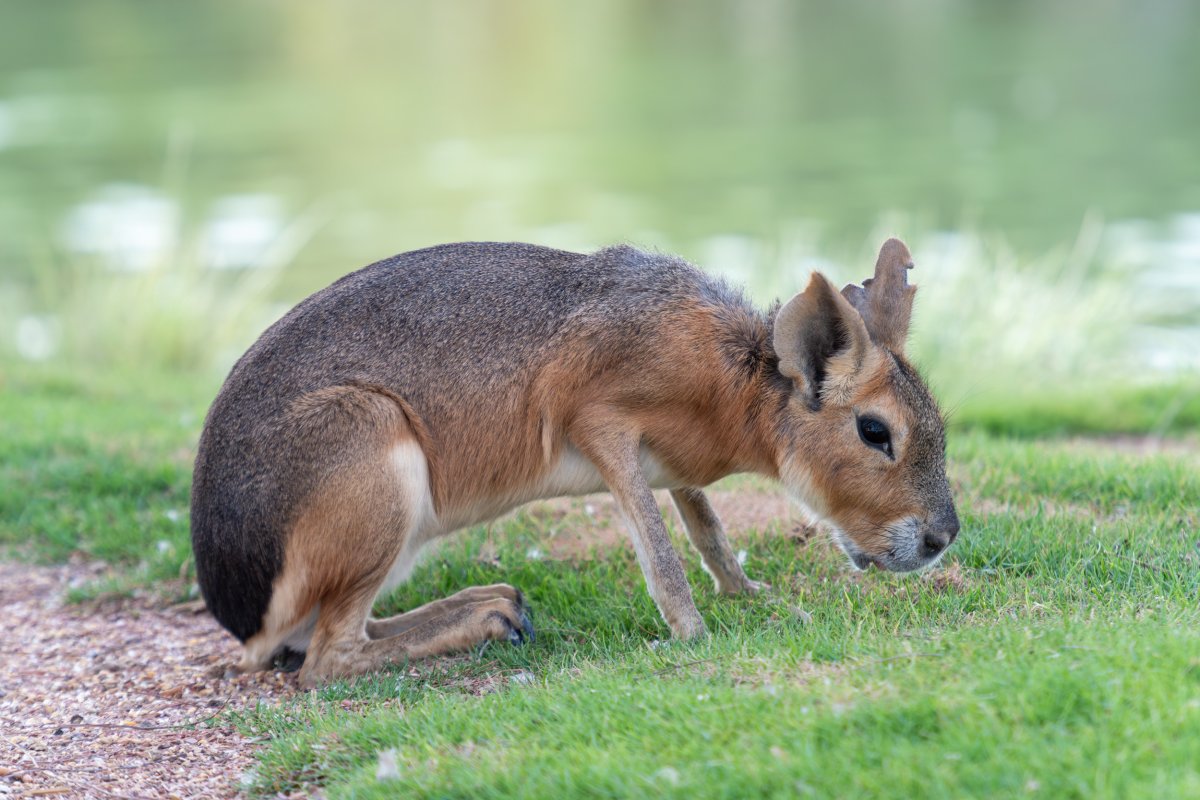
757,138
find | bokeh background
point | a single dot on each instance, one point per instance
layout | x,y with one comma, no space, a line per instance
175,175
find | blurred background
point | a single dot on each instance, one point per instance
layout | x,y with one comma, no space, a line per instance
173,176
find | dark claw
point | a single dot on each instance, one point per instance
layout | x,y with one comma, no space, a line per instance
524,633
527,625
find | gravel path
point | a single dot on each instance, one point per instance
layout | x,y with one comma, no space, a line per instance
96,702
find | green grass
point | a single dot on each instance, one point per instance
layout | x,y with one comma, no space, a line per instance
1056,655
1068,711
99,466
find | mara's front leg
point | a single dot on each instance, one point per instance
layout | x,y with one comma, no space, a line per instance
616,457
707,535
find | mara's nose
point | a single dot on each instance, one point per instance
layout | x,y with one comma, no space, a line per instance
939,539
936,542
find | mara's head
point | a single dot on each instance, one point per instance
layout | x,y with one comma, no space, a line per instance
864,441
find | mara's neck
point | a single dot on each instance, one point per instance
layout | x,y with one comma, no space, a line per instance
750,424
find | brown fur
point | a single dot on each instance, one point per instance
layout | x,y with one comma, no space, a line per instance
348,438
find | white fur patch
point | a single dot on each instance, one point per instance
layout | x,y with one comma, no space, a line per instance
575,475
412,474
654,472
572,475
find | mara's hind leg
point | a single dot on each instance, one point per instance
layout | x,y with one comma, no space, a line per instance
372,508
341,647
392,626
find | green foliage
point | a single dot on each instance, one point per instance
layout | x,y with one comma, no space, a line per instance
1053,654
1101,711
99,468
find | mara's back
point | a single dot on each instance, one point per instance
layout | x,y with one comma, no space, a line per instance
458,333
448,324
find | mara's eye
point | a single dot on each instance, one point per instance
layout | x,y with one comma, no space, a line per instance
875,433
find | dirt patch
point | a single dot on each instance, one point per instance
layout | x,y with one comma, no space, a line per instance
947,577
117,700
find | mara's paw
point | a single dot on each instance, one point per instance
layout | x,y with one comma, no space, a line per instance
689,627
504,620
288,660
745,586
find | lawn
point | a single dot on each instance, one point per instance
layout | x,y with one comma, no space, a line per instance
1055,653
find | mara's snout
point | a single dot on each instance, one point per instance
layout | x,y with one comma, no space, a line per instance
907,544
440,388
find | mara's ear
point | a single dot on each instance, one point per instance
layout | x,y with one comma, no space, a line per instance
821,342
885,301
